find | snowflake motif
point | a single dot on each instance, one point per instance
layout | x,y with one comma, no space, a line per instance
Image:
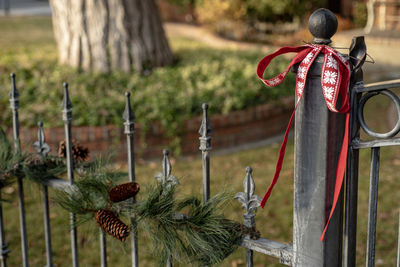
308,58
301,72
274,81
284,73
332,63
300,87
330,77
328,92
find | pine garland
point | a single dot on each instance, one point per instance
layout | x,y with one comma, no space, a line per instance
10,162
186,229
202,235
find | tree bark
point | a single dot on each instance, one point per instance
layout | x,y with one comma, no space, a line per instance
101,35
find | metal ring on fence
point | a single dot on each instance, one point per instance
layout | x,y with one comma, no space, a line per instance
360,114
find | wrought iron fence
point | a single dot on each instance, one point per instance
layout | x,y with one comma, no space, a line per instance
249,201
305,250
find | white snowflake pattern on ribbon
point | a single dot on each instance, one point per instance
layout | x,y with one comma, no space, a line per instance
328,92
275,81
300,87
301,72
308,58
330,77
331,63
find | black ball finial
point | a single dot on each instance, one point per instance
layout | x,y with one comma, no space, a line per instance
323,25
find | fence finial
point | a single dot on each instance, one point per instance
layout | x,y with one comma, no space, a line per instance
14,94
66,104
323,25
205,129
128,115
249,201
165,176
41,147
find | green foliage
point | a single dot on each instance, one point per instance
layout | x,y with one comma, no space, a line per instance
359,14
281,10
187,229
10,162
215,11
40,169
225,78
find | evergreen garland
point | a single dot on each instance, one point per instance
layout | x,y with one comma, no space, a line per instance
10,162
201,235
186,229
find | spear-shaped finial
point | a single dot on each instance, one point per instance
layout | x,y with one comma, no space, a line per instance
41,147
205,129
66,104
165,176
14,94
128,115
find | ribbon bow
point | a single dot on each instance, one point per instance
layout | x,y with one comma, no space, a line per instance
335,77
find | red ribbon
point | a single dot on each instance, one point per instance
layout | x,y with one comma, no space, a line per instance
335,77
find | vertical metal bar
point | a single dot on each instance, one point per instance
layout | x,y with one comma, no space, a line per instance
167,179
357,52
205,147
373,206
169,262
103,249
14,104
43,149
49,255
3,244
129,124
398,244
350,227
249,258
250,202
67,117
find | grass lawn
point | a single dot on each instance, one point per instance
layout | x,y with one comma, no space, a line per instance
227,171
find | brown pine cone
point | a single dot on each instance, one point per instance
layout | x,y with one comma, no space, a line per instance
111,224
123,191
79,152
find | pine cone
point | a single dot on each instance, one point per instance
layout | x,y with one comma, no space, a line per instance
123,191
111,224
79,152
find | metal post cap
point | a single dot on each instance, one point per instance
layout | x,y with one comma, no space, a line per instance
322,24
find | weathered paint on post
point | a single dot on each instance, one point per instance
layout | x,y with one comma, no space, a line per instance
318,140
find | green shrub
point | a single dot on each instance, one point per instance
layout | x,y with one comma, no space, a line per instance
224,78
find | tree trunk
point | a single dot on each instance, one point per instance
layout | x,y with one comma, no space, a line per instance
101,35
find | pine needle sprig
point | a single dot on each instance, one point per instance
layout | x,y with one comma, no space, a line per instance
10,162
40,169
84,196
203,236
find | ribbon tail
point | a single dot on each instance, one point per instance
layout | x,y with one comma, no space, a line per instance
341,167
280,160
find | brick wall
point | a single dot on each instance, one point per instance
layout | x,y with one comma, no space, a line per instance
230,130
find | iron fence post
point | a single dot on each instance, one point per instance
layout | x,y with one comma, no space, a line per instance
318,139
357,54
43,149
67,118
129,130
14,105
205,147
